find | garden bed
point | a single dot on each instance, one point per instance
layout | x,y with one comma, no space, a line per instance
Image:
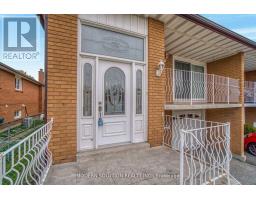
10,137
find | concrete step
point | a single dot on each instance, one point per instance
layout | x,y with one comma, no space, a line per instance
113,149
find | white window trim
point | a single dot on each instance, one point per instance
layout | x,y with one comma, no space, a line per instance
17,116
20,83
191,62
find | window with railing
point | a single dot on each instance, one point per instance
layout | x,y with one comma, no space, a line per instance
189,81
250,92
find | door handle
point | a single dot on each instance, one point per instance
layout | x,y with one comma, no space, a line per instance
100,120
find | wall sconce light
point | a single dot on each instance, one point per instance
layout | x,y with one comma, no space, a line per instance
160,68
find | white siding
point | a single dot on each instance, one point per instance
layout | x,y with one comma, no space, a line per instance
130,23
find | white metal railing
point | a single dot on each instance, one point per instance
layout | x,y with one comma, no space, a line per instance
250,92
28,161
189,87
204,149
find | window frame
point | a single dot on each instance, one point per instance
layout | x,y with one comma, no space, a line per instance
18,80
191,63
19,114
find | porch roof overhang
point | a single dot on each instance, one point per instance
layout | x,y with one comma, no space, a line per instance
197,38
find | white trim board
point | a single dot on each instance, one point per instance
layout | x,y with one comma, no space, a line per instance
128,23
200,106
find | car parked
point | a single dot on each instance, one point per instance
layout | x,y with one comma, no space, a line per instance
250,143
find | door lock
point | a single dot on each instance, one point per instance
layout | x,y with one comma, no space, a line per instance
100,120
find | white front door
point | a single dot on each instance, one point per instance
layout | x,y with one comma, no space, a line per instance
114,103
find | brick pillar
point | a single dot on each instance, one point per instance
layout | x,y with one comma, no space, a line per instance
232,67
62,85
156,85
169,79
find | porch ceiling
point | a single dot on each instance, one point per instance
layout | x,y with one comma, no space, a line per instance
191,40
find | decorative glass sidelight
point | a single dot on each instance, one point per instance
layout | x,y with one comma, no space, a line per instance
114,91
139,92
87,89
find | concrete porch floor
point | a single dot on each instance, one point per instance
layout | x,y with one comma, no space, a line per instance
122,165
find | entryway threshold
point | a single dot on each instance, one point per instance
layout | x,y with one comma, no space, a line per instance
113,148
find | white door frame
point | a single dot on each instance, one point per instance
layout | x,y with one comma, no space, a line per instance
135,65
137,121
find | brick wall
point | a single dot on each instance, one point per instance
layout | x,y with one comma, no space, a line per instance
156,93
250,115
235,117
12,100
169,79
250,76
62,85
250,112
233,67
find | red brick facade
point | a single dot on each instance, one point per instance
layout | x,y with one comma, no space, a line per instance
12,100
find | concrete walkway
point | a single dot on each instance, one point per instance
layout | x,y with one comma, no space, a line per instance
132,164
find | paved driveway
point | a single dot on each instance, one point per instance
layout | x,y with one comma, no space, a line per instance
244,172
250,159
